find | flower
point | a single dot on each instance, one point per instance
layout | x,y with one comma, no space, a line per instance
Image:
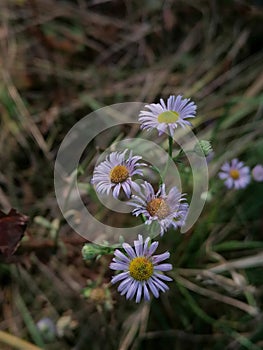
115,173
257,173
235,174
167,210
141,270
47,329
166,118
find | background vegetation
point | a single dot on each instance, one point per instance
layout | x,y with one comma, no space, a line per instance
59,61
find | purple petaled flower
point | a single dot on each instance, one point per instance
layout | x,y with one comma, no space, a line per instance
47,328
257,173
235,174
141,270
167,117
167,210
115,173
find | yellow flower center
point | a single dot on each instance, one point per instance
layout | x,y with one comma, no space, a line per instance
168,117
141,269
119,174
234,173
158,207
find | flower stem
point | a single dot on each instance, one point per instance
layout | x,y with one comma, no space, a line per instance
143,218
170,149
176,159
170,153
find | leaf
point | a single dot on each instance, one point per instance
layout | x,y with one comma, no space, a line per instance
12,228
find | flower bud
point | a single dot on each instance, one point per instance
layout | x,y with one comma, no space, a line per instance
92,250
203,148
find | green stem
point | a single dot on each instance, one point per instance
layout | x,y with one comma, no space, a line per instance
29,322
156,170
143,218
170,153
170,149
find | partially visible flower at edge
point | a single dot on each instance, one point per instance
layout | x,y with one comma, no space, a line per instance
115,173
257,173
235,174
167,117
168,210
142,270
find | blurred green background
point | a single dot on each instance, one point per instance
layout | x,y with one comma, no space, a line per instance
61,60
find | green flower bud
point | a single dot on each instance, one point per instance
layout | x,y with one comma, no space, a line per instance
91,251
203,148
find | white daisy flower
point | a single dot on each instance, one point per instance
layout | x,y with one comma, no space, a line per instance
141,270
116,172
167,117
167,210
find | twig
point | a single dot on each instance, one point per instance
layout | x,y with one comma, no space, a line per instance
244,263
216,296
